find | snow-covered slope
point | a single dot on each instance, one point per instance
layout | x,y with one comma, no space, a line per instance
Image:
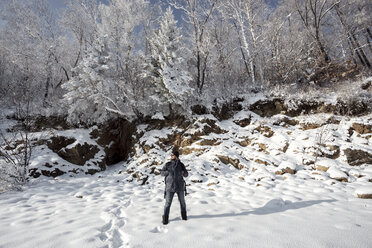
254,182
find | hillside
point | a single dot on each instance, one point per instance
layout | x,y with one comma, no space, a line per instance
287,179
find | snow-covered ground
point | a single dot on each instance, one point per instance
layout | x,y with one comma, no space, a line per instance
105,211
261,204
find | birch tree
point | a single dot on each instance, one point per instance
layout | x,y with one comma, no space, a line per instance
247,17
198,14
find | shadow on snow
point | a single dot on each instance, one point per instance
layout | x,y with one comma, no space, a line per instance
273,206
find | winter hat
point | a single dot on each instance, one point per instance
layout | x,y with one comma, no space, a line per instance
176,153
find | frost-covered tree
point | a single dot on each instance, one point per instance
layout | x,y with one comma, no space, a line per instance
88,91
198,14
165,67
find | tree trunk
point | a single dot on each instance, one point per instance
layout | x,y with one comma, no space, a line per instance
363,55
369,37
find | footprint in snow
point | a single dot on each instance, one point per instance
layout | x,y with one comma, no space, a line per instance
159,229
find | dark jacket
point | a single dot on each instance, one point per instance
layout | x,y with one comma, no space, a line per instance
174,171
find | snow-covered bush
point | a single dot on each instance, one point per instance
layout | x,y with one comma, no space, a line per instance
15,155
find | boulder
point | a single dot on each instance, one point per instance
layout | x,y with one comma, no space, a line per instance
286,167
208,142
265,130
322,168
331,151
56,143
285,122
79,154
199,110
357,157
308,126
228,160
55,173
364,192
268,108
243,122
337,174
362,128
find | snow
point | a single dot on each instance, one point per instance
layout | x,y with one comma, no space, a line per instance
336,173
247,207
236,213
287,164
158,116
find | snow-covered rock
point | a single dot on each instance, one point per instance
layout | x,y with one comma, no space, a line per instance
337,174
286,167
364,192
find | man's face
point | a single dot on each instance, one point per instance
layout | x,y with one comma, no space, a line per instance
173,157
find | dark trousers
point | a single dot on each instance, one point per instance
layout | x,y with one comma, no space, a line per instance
169,198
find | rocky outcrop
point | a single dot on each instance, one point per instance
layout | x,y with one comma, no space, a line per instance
268,108
116,139
357,157
365,196
228,160
78,154
362,128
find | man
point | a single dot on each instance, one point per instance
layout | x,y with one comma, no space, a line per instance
174,171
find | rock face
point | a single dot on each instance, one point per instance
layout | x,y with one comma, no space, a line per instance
228,160
365,196
268,108
357,157
57,143
361,128
78,154
115,138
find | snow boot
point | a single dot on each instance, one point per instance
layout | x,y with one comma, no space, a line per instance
165,219
184,215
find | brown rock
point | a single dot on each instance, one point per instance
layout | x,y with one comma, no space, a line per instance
259,161
228,160
362,128
187,151
207,142
56,143
265,130
334,152
357,157
340,179
285,148
268,108
307,126
263,148
285,121
214,183
286,170
365,196
79,154
245,143
322,168
244,122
